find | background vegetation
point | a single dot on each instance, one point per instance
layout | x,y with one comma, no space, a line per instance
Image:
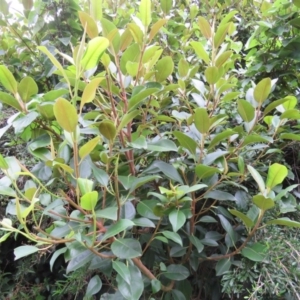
150,142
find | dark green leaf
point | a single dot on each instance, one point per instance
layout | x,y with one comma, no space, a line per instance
177,272
126,248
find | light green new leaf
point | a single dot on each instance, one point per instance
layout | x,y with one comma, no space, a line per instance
111,32
8,99
108,129
263,203
276,174
285,222
220,137
145,12
127,118
257,178
65,114
223,58
90,92
290,136
126,248
274,104
88,147
200,51
89,200
7,80
177,219
212,75
96,9
164,68
116,228
262,90
204,27
201,119
155,28
220,35
22,251
247,221
166,6
85,185
246,110
89,23
27,88
95,49
3,163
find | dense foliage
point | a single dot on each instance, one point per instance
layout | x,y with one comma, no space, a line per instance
158,150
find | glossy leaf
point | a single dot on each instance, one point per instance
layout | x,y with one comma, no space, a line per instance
197,243
96,9
155,28
285,222
262,90
221,136
220,34
212,75
10,101
111,32
255,252
110,213
116,228
176,272
80,260
126,248
88,147
90,92
200,51
204,27
166,6
22,251
65,114
177,219
247,221
201,120
222,266
94,286
175,237
257,178
222,58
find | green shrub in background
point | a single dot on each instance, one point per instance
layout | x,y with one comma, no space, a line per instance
158,168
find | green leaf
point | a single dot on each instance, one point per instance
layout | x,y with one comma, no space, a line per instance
247,221
136,99
290,136
186,142
285,222
219,195
253,138
162,145
126,248
211,157
143,222
262,90
7,80
131,291
177,272
296,3
122,270
274,104
204,27
4,237
94,286
255,252
156,27
201,119
177,219
116,228
221,136
166,6
155,286
145,209
108,129
100,175
203,171
95,49
88,147
222,266
10,100
65,114
145,12
246,110
22,251
173,236
55,255
200,51
110,213
89,200
183,68
127,118
197,243
136,33
80,260
89,24
27,88
212,75
96,9
262,202
3,163
21,123
221,59
257,178
276,174
164,68
228,228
